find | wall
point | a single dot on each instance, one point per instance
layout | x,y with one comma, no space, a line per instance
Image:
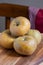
36,3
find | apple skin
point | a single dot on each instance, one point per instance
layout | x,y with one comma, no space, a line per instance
36,34
19,26
6,40
25,45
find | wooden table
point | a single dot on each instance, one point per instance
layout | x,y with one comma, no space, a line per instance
10,57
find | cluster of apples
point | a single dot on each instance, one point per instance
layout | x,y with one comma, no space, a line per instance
20,37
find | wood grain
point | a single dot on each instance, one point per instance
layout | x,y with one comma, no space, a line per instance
10,57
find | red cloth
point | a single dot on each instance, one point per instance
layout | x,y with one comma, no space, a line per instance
39,20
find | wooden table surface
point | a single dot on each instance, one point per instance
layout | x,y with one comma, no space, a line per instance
10,57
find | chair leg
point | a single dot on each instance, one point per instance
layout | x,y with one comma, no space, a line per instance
7,22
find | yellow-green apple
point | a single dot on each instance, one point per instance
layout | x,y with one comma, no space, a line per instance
25,45
19,26
6,40
36,34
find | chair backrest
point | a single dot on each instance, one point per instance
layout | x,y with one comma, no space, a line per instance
12,10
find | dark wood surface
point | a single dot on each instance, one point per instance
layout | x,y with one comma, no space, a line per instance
12,10
10,57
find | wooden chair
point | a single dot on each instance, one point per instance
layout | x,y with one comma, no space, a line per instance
12,10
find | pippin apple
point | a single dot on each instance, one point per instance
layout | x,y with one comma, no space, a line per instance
6,40
19,26
25,45
36,34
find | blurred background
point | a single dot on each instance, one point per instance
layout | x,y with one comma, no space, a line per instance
35,3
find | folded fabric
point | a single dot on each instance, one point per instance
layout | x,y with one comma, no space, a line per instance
36,18
39,21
